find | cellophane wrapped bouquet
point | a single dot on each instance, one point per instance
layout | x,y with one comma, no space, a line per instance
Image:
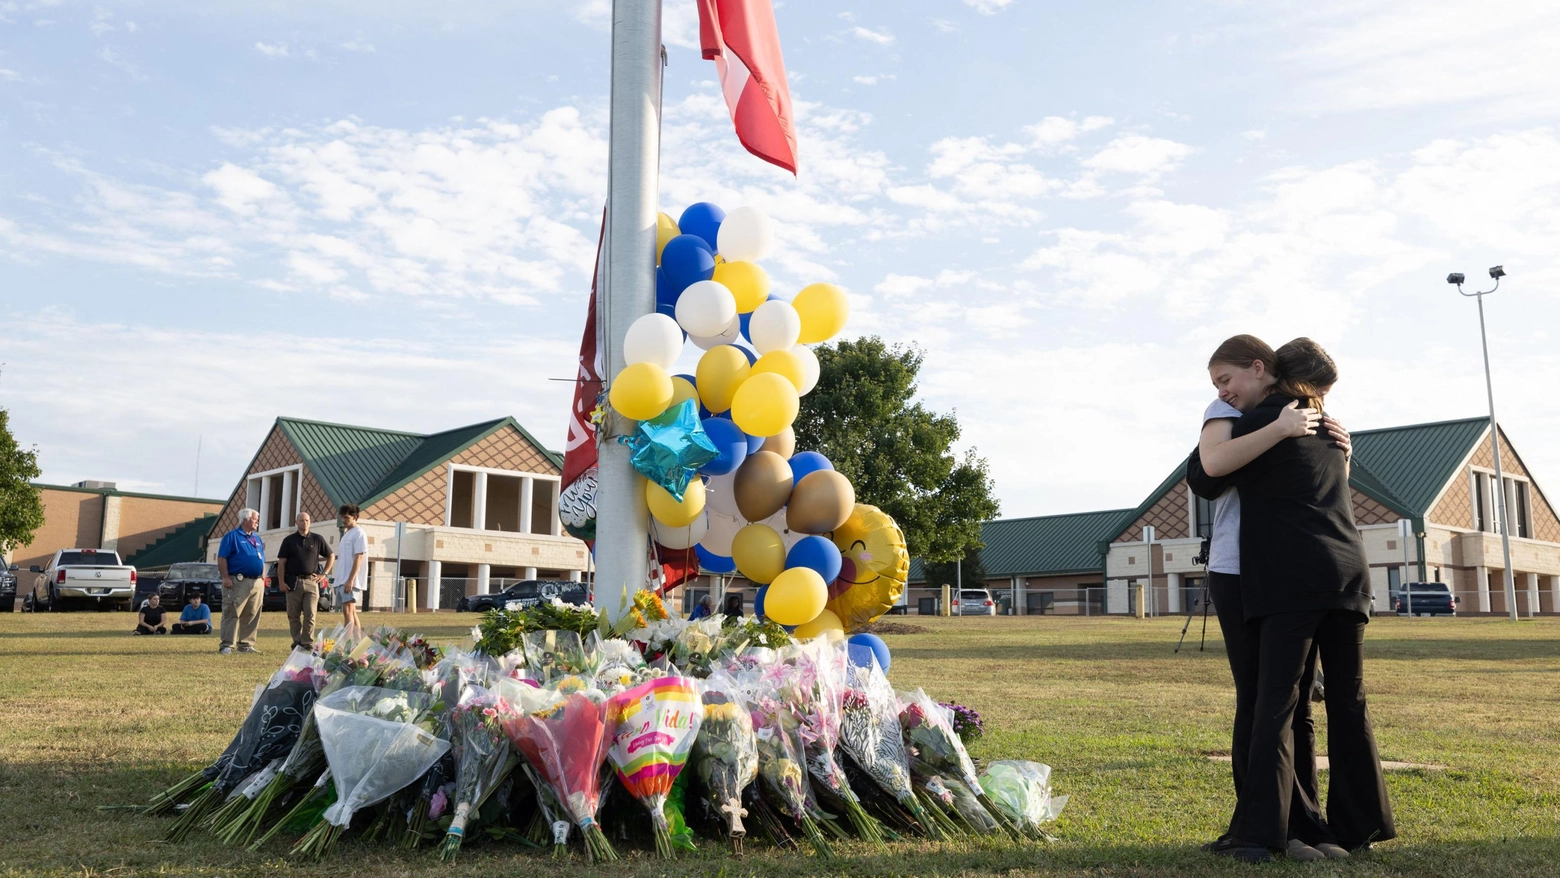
483,758
725,754
810,679
456,671
651,728
377,742
1022,791
782,759
870,733
938,755
563,737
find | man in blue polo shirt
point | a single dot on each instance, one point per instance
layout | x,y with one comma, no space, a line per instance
241,560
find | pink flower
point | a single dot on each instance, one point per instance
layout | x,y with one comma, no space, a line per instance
489,712
437,804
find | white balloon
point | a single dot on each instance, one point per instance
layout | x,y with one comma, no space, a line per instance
653,338
746,233
774,326
722,530
810,368
705,307
787,536
720,495
726,336
680,537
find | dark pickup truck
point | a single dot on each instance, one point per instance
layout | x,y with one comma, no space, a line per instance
1424,599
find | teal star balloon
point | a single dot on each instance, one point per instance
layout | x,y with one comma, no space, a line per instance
669,448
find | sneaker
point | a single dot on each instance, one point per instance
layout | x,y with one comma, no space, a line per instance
248,649
226,650
1302,852
1332,851
1236,850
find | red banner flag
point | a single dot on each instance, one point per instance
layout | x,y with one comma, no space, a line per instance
741,38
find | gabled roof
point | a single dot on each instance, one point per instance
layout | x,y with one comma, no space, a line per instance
1048,544
362,465
1415,462
181,545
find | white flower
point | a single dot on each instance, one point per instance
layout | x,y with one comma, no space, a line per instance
476,633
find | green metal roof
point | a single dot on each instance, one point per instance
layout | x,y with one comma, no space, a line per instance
183,544
362,465
1046,544
1415,462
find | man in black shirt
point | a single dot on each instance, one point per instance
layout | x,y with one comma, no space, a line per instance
151,618
300,565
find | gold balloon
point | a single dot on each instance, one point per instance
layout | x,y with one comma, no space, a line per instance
796,597
641,391
668,511
765,404
823,623
683,389
759,553
823,309
784,363
665,230
782,443
820,502
722,371
873,570
749,284
762,485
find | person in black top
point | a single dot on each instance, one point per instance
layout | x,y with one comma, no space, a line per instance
1304,581
151,619
299,567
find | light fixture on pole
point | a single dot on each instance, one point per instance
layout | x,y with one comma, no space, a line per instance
1458,279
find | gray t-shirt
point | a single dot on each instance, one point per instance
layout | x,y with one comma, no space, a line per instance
1224,547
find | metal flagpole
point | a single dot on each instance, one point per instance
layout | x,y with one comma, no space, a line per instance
1500,480
628,290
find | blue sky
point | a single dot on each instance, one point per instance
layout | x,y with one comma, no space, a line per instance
385,213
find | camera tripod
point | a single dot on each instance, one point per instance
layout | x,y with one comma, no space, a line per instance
1202,598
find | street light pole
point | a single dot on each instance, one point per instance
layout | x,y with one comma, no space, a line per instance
1496,273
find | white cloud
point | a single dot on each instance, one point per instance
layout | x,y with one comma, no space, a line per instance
7,75
272,50
988,7
358,46
872,80
882,38
1136,154
944,26
1253,135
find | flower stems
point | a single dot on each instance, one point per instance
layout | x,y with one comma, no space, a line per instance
165,801
596,844
814,835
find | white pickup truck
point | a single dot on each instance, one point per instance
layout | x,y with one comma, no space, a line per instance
82,577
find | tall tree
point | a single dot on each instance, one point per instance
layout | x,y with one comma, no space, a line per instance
21,503
863,417
972,573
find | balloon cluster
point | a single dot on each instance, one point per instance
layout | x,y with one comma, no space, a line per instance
758,507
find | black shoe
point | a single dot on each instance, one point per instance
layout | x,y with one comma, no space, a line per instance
1212,846
1239,850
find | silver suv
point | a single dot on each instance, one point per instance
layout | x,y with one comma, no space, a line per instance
976,602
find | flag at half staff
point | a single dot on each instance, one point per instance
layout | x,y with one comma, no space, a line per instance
741,38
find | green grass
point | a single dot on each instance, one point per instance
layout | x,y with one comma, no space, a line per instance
90,716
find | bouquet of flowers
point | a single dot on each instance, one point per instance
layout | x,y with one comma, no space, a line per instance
554,654
564,740
869,731
811,682
483,758
652,728
376,742
1021,790
269,732
782,760
725,754
935,749
966,721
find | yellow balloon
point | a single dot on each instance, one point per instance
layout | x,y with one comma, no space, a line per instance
668,511
783,363
823,624
823,309
722,370
796,597
641,391
765,404
759,552
665,230
749,284
682,389
876,565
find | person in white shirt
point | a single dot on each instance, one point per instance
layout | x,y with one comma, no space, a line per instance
351,566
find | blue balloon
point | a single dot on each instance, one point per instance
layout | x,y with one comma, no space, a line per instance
747,318
665,296
730,441
686,260
714,563
670,447
702,219
817,553
758,601
752,357
755,443
805,463
863,648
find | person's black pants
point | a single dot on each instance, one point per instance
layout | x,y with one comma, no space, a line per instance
1357,808
147,629
1241,645
192,628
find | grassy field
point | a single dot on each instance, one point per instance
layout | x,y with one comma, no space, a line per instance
90,716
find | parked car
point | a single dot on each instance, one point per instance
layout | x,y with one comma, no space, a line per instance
8,589
276,600
1425,598
976,602
526,593
84,577
189,578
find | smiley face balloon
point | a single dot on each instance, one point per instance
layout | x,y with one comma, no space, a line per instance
874,567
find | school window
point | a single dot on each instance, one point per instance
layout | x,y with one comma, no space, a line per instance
1204,514
1394,578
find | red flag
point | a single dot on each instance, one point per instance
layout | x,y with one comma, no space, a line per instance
741,38
577,500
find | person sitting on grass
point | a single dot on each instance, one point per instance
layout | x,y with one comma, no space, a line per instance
151,618
196,618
